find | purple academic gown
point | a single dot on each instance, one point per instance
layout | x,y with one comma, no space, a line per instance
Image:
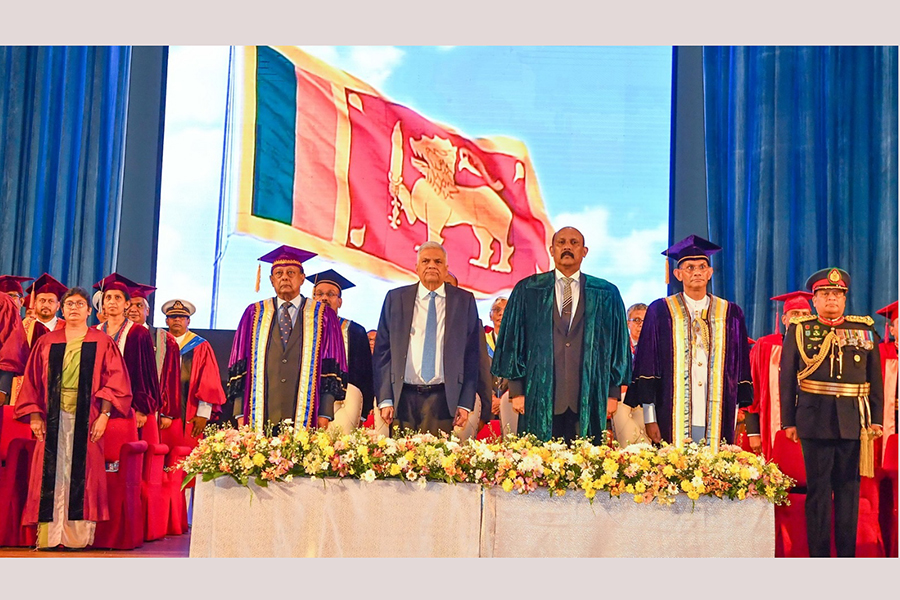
653,377
322,355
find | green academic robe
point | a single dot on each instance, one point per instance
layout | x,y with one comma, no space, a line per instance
524,350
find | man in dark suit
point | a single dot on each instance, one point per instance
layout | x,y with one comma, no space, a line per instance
426,356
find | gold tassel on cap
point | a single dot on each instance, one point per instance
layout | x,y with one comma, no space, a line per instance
667,269
258,276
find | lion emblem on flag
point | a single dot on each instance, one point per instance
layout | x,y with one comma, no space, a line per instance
437,199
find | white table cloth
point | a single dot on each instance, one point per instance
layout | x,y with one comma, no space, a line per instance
352,518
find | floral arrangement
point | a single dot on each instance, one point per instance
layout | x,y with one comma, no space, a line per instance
517,464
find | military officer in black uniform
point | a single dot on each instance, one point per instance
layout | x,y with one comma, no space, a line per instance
831,402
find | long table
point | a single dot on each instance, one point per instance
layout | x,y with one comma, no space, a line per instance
392,518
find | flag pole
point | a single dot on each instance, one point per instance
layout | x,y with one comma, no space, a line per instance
226,169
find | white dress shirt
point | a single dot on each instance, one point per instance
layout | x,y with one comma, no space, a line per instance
413,372
576,291
51,324
699,369
204,409
294,310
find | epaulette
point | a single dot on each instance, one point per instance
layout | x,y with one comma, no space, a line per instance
796,320
867,320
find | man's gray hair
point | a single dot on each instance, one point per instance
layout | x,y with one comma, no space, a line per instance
498,301
634,307
431,244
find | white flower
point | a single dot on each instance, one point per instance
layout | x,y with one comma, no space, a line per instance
422,483
368,476
636,448
411,475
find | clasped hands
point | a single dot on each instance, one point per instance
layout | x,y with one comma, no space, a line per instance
518,403
460,420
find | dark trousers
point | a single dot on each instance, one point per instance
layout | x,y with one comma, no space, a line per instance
565,426
423,408
832,467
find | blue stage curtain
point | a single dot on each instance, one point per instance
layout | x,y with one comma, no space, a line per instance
801,154
62,141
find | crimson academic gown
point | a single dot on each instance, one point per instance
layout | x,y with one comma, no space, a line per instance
103,367
199,382
764,415
888,351
34,329
136,346
167,356
13,344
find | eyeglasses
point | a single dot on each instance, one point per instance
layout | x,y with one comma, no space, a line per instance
636,320
79,304
326,295
15,295
692,268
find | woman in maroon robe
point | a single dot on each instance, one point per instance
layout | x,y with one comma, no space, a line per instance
73,379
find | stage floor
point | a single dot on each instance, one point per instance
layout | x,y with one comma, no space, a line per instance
176,546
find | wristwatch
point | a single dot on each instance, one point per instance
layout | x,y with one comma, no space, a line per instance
107,413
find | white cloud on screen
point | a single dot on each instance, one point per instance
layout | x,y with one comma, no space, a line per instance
372,64
629,259
195,75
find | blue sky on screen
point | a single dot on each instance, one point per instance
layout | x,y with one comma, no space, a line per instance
596,121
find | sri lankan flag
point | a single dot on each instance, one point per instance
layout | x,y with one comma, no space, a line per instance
329,164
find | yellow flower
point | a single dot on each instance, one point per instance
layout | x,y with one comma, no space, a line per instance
218,447
409,455
640,487
329,452
629,488
512,474
590,493
258,459
395,469
693,495
382,442
507,485
742,494
686,485
668,470
745,473
638,498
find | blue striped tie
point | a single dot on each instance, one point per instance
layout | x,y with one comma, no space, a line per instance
430,350
285,324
